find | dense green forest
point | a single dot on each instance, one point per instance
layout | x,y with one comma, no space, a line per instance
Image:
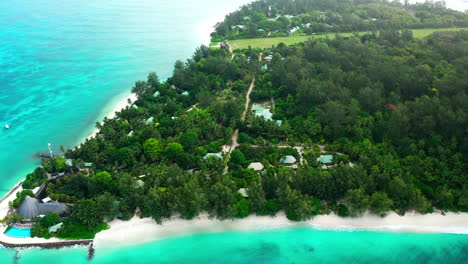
389,108
318,16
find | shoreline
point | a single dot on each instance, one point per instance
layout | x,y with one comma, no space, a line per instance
11,242
117,107
145,230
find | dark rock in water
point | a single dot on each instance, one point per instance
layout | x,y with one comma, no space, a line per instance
17,256
91,251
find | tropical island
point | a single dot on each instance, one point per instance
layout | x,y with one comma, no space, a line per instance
370,121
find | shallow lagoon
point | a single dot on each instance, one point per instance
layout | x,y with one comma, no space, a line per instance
282,247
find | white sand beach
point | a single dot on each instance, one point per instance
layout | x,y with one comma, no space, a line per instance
119,106
4,203
137,230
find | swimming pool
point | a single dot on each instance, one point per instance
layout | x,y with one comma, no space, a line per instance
18,232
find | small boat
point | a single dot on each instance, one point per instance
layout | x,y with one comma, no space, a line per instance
7,126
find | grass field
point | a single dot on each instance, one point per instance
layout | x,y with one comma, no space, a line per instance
268,42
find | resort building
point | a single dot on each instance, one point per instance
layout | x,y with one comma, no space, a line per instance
262,112
149,121
326,160
156,94
31,208
257,166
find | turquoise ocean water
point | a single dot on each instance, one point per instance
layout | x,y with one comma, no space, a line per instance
296,246
62,63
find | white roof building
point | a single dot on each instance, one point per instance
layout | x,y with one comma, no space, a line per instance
243,192
258,166
288,160
35,190
217,155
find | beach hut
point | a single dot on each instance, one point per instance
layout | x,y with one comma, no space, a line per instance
217,155
257,166
69,162
288,160
243,192
185,93
149,121
238,27
156,94
139,184
55,228
135,106
326,160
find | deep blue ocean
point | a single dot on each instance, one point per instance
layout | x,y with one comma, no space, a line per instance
64,63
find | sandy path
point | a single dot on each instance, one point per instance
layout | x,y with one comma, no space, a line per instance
235,136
